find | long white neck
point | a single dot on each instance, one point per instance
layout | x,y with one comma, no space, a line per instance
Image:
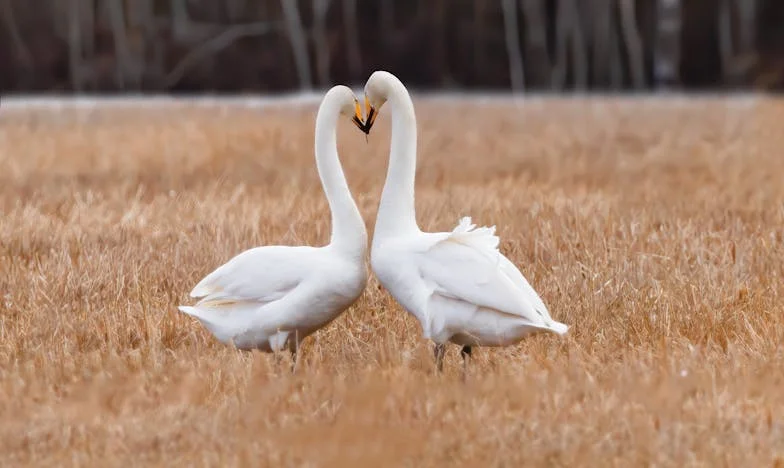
396,211
348,229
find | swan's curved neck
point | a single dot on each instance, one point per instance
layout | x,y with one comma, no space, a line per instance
348,229
396,212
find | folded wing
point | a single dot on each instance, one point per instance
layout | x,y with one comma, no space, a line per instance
465,264
255,277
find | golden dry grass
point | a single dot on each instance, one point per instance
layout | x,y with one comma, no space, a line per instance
653,229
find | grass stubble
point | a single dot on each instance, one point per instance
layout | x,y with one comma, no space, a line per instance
654,229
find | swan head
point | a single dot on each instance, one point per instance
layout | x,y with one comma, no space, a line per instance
377,89
348,105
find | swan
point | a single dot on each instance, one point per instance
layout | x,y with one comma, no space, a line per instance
457,284
270,298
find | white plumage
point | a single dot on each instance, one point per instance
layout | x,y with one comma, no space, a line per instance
271,298
457,284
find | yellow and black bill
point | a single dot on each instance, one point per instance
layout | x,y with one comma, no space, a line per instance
364,123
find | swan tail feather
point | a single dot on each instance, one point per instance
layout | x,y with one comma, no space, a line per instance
223,319
209,318
482,238
558,327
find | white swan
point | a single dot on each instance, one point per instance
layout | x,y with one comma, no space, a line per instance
270,298
457,284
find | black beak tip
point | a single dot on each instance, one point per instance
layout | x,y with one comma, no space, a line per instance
365,127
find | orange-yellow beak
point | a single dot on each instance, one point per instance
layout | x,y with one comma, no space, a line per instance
371,114
358,119
364,123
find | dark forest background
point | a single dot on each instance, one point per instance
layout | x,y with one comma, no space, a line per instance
285,45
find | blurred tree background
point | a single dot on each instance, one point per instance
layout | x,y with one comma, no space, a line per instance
285,45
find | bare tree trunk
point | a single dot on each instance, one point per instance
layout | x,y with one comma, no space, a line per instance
387,17
579,51
141,20
214,45
124,74
9,21
512,36
585,18
188,32
616,60
569,37
439,26
299,46
736,45
602,26
747,27
213,9
323,56
536,27
235,9
155,66
563,24
480,61
631,38
264,8
88,26
726,48
747,24
58,15
180,19
352,37
667,48
75,45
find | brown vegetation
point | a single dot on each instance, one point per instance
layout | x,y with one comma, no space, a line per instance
653,228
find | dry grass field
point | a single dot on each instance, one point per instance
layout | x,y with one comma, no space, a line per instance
654,229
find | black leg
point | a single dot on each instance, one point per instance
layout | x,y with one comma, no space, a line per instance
276,358
438,353
466,353
295,352
294,357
